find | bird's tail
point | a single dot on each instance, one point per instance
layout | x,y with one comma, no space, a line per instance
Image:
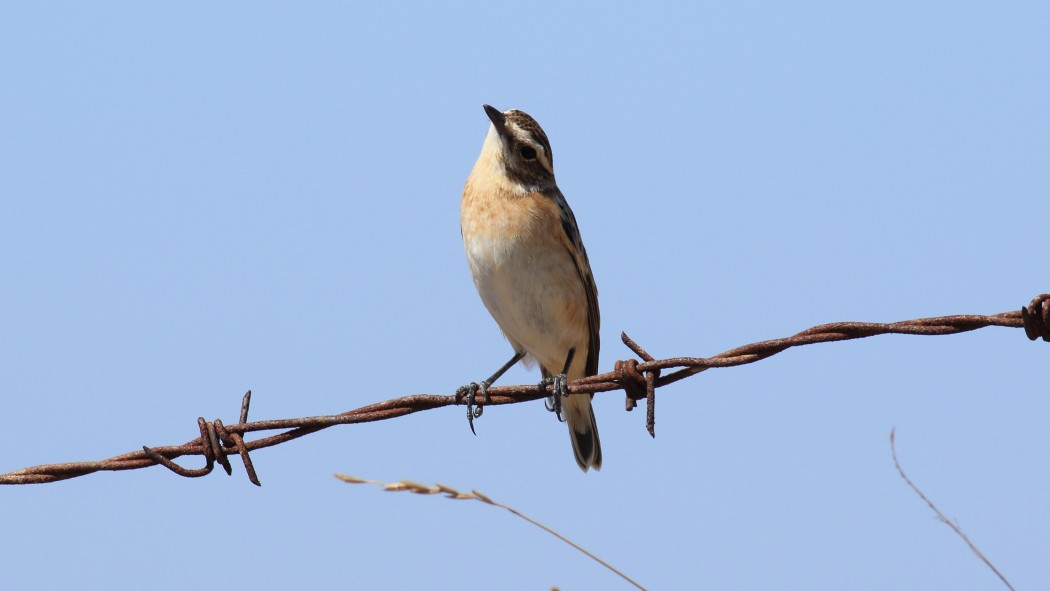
583,431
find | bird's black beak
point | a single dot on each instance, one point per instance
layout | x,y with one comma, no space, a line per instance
496,117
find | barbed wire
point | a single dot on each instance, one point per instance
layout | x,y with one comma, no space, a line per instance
638,379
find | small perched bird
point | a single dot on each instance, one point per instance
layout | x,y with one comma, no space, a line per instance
531,270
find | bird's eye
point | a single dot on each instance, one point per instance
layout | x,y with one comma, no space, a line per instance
527,153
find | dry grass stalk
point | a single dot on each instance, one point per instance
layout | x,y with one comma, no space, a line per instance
451,493
940,516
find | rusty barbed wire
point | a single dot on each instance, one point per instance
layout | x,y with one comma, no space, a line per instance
638,379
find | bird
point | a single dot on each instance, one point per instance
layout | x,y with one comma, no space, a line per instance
531,270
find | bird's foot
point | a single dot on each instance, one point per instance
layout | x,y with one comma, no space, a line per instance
470,393
559,390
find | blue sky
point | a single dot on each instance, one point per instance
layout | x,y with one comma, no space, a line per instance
202,199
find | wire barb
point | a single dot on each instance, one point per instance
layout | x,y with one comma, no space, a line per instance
637,379
214,442
1036,318
637,385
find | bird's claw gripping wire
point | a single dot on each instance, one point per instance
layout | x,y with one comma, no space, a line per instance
474,408
559,386
471,390
559,389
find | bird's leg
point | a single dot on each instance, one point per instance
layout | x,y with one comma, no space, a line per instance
485,384
471,390
560,385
